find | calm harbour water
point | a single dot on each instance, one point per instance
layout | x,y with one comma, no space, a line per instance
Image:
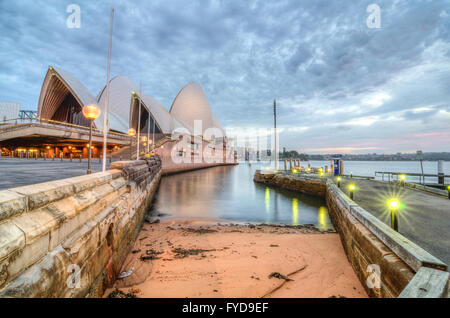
229,193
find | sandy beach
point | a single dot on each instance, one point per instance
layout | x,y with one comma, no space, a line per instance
192,258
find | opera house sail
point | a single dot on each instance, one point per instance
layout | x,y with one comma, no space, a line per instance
61,130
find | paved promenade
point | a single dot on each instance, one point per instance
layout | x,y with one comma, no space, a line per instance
424,219
17,172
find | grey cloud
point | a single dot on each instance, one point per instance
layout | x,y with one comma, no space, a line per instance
313,56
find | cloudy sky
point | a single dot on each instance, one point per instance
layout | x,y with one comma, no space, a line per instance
340,85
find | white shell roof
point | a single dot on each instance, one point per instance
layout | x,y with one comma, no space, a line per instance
120,90
120,98
76,86
191,104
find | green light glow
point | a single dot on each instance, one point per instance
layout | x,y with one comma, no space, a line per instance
322,217
267,200
294,211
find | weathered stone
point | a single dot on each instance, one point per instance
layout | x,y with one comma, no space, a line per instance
45,279
44,193
118,183
11,239
62,210
30,254
11,203
89,221
86,182
82,243
35,224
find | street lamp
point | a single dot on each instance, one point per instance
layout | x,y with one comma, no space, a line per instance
351,188
339,181
394,205
448,190
132,133
402,180
91,112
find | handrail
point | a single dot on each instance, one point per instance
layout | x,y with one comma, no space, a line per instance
408,174
54,123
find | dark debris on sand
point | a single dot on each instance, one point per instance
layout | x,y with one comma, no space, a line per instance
182,253
120,294
199,230
279,276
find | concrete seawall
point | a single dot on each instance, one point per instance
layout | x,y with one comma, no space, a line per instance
69,238
406,270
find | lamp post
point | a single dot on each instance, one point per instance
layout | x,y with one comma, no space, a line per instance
393,207
402,180
132,133
448,190
144,142
339,181
91,112
351,188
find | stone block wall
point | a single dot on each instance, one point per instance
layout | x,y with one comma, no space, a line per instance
311,186
69,238
363,248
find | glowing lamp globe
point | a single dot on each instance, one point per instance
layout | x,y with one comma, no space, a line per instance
91,112
394,204
351,187
131,132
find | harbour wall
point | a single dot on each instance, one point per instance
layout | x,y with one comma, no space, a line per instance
69,238
386,263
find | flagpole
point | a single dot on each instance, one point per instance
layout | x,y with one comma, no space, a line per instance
153,141
148,132
105,120
139,122
275,132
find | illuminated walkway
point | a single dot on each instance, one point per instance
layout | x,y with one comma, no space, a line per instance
17,172
424,219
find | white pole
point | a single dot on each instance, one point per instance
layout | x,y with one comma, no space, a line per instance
139,122
153,142
275,132
148,132
105,120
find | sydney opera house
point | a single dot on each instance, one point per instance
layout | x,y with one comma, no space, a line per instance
60,129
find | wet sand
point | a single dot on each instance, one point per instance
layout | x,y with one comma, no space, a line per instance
188,258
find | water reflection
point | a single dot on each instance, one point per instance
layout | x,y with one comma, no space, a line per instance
294,211
230,193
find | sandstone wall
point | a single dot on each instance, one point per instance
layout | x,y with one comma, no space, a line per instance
406,270
364,248
69,238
